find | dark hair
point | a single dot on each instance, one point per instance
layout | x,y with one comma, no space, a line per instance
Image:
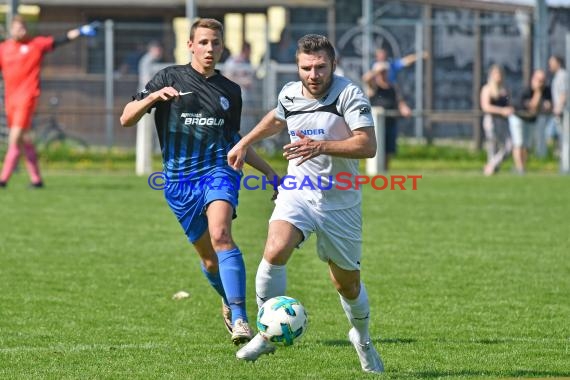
559,59
208,23
311,43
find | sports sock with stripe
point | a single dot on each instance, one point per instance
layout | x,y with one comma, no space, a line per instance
270,281
358,313
232,274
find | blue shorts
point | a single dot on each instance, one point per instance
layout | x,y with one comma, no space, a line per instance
190,198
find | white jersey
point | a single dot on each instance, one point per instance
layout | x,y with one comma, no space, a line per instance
332,117
559,87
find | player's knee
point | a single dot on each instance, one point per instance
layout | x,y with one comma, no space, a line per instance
275,259
220,237
349,289
275,254
16,139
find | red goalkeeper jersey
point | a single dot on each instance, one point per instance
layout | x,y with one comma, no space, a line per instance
20,62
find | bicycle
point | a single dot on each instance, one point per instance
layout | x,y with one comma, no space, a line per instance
3,136
52,136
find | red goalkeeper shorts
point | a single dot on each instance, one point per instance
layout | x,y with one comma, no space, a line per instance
20,113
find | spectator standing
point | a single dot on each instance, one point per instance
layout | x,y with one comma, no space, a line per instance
146,137
386,95
239,69
495,104
559,88
154,52
284,50
535,102
396,64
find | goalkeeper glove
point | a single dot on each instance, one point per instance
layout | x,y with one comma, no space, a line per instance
89,30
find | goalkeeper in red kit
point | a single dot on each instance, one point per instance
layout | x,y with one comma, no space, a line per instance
20,61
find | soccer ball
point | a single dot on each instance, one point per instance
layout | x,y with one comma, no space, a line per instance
282,320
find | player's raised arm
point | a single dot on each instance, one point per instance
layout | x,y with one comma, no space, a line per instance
135,109
87,30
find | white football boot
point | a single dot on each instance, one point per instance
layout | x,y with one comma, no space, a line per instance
255,348
369,359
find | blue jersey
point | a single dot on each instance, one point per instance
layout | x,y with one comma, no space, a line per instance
197,129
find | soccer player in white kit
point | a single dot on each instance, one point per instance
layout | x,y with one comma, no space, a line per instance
331,127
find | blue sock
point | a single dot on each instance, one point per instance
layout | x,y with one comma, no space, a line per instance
216,282
232,273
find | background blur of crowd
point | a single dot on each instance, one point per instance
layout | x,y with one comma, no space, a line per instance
454,46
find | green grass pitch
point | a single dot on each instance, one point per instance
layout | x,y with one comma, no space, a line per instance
468,277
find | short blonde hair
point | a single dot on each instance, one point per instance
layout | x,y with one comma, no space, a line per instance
19,19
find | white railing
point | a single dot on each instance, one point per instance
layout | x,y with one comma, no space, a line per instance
377,164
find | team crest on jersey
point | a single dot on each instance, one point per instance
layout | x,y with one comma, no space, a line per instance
364,110
24,49
225,103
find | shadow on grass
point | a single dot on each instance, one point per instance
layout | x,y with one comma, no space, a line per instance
338,342
492,341
489,341
491,374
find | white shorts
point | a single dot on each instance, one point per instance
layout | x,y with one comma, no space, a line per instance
339,232
520,131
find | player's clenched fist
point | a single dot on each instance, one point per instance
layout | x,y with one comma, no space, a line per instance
236,157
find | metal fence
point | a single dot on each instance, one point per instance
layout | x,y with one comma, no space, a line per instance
93,78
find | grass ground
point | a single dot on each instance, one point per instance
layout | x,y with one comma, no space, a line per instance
467,277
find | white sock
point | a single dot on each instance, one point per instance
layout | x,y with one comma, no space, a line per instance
358,313
270,281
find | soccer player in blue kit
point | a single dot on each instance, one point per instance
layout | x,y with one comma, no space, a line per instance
198,120
331,127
